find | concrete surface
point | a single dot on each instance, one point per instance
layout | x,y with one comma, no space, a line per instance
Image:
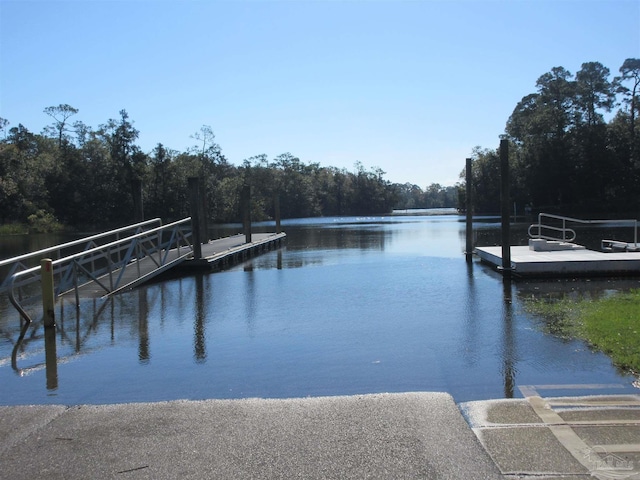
409,435
560,438
381,436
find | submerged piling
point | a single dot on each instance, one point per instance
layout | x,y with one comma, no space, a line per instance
48,295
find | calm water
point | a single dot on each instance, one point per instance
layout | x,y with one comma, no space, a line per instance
350,305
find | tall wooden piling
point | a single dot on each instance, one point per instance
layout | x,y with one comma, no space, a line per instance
246,212
195,206
48,295
276,211
204,205
469,208
138,209
504,201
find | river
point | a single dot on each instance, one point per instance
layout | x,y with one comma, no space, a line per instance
349,306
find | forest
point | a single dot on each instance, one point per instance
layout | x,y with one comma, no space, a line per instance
75,176
574,145
574,148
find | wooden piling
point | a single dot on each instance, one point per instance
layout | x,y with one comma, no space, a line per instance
138,209
276,211
48,295
246,211
469,208
504,200
195,206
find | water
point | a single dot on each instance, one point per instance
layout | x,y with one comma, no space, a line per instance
349,306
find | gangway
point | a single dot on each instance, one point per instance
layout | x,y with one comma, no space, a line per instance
103,270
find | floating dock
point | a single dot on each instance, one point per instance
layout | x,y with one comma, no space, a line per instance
224,252
527,262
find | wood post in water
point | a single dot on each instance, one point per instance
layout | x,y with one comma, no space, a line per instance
504,201
204,227
276,211
138,209
195,206
48,295
469,208
50,358
246,211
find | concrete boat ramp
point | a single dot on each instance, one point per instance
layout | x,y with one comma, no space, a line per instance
419,435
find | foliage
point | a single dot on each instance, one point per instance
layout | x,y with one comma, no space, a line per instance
563,154
43,222
607,324
86,178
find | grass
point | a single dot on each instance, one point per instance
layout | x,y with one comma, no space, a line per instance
610,325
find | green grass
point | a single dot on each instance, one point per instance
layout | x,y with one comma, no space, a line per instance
610,325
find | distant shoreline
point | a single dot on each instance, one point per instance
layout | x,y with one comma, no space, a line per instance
426,211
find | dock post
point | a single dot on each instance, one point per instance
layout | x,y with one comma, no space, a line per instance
204,206
195,207
469,208
504,200
138,208
246,212
48,296
50,358
276,211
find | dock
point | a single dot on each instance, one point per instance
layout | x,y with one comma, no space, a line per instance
526,262
224,252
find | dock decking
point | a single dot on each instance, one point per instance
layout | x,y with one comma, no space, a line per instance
217,254
526,262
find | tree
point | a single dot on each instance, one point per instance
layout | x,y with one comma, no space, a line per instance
61,114
630,71
4,123
594,92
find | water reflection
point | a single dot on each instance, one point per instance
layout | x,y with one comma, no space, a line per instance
396,308
509,342
199,343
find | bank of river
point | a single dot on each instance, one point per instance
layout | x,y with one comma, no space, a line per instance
350,305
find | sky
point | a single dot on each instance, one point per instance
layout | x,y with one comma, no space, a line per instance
410,87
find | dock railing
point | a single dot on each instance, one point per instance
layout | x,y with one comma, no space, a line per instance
104,264
28,260
563,233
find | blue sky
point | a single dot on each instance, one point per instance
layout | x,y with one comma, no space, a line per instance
407,86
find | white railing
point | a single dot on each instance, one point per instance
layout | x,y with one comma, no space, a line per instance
566,234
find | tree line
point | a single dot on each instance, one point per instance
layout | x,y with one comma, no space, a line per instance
564,155
84,177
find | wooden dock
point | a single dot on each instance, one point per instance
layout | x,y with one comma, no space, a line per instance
224,252
526,262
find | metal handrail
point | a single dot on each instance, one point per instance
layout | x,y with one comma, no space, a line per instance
540,225
69,269
18,262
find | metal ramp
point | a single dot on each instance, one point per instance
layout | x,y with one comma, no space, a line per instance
138,253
